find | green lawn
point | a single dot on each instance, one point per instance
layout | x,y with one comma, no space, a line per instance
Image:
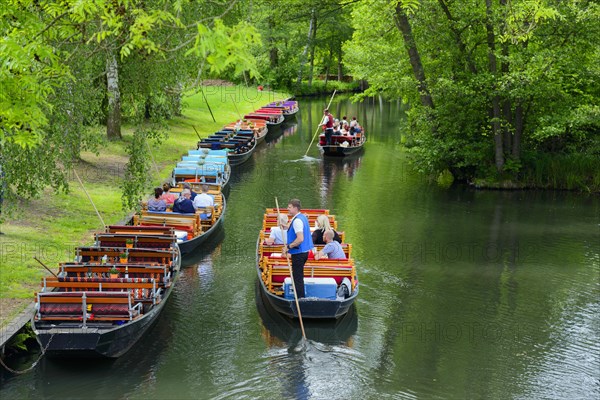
51,227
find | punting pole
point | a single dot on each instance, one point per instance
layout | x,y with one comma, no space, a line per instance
44,265
88,196
313,138
208,105
291,276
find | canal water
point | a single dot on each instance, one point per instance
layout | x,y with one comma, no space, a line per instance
464,293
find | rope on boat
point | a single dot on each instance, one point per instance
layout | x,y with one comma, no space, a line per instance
35,363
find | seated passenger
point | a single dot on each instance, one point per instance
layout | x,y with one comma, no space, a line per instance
187,186
183,204
322,226
277,232
167,196
332,249
157,203
204,200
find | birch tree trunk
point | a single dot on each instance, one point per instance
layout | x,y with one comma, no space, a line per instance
493,68
113,121
313,22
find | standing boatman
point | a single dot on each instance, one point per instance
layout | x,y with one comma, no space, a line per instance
299,244
327,125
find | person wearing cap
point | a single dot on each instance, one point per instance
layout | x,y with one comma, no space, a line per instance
184,204
187,186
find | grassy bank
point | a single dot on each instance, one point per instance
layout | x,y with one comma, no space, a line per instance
51,227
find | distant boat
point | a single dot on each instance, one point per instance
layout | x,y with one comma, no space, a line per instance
85,312
342,145
272,118
289,108
335,281
239,145
258,126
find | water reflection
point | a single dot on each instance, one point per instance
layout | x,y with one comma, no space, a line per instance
280,133
331,167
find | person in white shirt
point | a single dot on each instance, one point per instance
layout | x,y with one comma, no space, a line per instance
203,200
277,232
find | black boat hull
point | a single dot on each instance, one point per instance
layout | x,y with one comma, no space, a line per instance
310,308
189,246
237,159
340,151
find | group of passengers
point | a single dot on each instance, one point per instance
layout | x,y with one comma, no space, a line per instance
333,126
188,202
322,234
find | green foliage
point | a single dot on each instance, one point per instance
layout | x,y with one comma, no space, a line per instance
547,69
137,176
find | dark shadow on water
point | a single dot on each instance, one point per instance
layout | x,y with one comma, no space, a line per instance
205,249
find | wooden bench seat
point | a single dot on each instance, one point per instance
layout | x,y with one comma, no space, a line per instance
160,273
135,256
266,250
143,289
86,306
275,270
139,241
140,230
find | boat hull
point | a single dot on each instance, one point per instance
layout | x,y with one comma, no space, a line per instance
187,247
97,341
310,308
237,159
341,151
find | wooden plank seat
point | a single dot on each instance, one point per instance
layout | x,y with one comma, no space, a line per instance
305,211
160,273
135,256
77,306
143,289
275,270
271,221
266,250
139,241
140,230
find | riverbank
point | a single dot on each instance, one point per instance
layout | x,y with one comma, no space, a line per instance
52,227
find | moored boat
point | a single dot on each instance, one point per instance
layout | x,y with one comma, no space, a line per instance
342,145
239,144
259,127
83,311
192,229
288,107
203,166
271,118
331,285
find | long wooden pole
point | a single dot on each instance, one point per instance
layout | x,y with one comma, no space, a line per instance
89,198
291,275
313,138
43,265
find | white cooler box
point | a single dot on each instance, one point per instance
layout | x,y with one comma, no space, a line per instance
322,288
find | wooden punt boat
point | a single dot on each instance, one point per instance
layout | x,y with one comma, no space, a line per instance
272,270
288,107
342,145
203,166
259,127
272,119
191,229
239,145
83,312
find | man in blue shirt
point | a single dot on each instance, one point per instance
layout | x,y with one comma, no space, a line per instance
332,248
183,204
299,243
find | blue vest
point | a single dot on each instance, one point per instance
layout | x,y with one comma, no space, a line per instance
307,243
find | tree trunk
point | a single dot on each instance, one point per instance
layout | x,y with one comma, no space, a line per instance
404,27
113,121
495,114
506,104
312,52
339,65
328,65
313,22
459,42
516,143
